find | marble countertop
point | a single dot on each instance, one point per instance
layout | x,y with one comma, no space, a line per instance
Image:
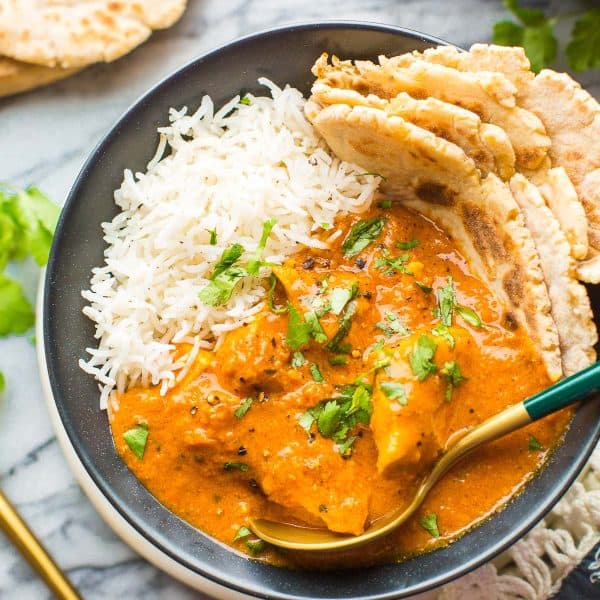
45,137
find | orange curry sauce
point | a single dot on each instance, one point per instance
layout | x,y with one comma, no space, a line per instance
298,476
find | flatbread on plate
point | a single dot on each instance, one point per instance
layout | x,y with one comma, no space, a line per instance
71,34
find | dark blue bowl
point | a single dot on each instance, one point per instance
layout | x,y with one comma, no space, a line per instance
284,55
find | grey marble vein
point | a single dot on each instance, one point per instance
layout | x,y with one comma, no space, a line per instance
46,136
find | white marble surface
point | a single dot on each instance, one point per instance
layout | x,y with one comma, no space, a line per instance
45,136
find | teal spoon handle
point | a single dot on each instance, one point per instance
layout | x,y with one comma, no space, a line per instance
565,392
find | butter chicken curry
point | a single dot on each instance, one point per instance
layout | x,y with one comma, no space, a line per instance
329,406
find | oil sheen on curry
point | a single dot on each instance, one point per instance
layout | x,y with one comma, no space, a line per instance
331,404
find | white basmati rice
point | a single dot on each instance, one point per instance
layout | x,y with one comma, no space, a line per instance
230,171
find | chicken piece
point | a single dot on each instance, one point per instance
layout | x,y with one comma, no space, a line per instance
255,358
410,417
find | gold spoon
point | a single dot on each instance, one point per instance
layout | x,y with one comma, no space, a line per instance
566,392
21,536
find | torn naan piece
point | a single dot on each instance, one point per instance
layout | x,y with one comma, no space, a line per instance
488,145
489,95
571,118
571,307
436,178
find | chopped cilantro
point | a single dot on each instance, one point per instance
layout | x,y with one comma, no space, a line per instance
298,332
136,439
16,312
255,546
378,346
2,382
424,287
335,345
394,391
391,265
361,235
535,445
430,524
335,417
213,236
470,316
341,296
421,358
314,327
392,325
242,532
245,100
243,408
338,360
443,332
446,302
380,364
384,204
453,376
407,245
272,284
316,373
298,359
224,278
326,226
236,466
255,263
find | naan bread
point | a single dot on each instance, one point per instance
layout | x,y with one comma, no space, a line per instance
71,34
436,178
16,76
571,308
488,145
489,95
571,118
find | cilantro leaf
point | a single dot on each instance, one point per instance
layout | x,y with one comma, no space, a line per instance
338,360
236,466
339,298
345,447
229,257
407,245
392,325
298,359
242,532
136,439
16,312
446,302
256,546
361,235
255,263
384,204
443,332
314,327
305,420
245,100
470,316
391,265
213,236
329,418
298,332
344,327
316,373
430,524
535,34
583,51
243,408
2,382
220,289
452,373
394,391
421,358
424,287
535,444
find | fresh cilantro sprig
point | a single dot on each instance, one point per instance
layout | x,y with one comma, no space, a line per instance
361,235
336,417
534,31
27,221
